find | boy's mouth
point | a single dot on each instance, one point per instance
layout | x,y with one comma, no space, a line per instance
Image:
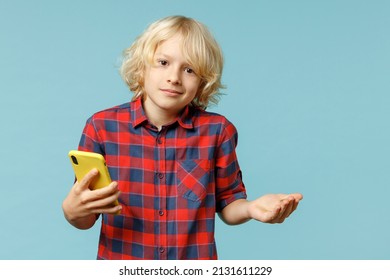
170,92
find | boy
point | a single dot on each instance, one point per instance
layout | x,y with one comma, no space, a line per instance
173,164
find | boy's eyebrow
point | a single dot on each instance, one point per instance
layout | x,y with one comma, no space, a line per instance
163,54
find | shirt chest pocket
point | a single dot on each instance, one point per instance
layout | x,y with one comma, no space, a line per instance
193,178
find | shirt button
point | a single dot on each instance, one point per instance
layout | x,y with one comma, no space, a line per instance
161,213
159,141
161,175
162,250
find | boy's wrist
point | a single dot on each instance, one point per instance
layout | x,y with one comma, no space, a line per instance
243,211
251,209
248,212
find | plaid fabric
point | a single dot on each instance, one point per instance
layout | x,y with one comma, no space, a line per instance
172,182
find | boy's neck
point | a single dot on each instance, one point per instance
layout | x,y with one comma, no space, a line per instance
159,123
159,117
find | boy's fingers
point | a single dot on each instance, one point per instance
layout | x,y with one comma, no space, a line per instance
283,210
297,196
295,206
106,202
111,189
289,208
109,210
87,180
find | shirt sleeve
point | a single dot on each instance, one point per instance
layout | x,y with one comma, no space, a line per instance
90,140
229,184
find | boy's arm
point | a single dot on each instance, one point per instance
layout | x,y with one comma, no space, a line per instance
270,208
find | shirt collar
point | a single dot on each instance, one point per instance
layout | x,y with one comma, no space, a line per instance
137,113
186,118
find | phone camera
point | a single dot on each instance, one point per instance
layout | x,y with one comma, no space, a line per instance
74,159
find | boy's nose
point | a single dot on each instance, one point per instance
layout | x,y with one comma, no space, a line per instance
174,77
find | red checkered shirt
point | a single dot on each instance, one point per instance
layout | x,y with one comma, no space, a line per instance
172,181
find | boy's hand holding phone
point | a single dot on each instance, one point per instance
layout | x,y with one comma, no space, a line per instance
82,205
84,201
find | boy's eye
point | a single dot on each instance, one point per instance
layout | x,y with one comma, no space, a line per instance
162,62
189,70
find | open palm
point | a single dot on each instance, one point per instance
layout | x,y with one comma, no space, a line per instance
274,208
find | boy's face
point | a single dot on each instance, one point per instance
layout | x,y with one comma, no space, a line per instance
170,83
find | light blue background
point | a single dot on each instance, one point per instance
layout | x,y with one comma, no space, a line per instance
307,88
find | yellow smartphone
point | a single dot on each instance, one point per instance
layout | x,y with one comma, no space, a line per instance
83,162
